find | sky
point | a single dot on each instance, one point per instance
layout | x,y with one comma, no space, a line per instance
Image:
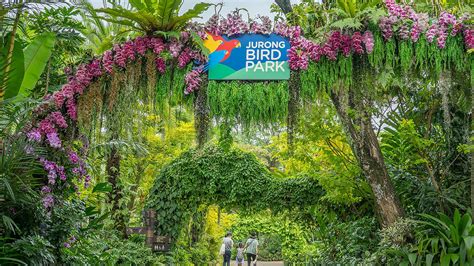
255,7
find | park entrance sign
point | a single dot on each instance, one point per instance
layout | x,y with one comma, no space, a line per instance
247,57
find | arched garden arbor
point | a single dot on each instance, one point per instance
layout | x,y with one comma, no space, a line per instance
150,68
231,179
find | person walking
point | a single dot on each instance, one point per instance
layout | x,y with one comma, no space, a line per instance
251,249
228,243
239,258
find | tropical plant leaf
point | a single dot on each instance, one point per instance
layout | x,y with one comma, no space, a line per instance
124,15
102,187
429,259
469,242
37,55
137,4
166,9
347,23
412,258
13,260
12,80
195,12
197,40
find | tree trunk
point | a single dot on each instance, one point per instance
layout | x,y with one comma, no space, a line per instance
285,6
134,187
353,106
444,86
197,227
113,172
11,45
294,87
201,114
366,149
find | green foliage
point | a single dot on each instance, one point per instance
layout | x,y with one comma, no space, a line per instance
37,55
249,103
35,250
105,247
212,176
68,50
444,240
15,75
393,240
403,144
19,169
153,16
101,35
279,237
346,243
350,14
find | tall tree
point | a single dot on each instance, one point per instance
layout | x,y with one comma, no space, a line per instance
294,85
353,105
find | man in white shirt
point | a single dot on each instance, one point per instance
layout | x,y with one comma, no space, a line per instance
251,248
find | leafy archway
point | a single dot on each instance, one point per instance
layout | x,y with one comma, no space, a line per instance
234,180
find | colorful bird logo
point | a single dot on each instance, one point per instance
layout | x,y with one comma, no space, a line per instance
219,49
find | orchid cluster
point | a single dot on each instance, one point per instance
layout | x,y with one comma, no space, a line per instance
234,24
407,24
193,80
302,49
262,27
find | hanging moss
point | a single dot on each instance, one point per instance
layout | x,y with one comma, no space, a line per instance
249,102
308,81
390,58
294,104
170,92
405,53
421,53
89,105
201,114
151,76
454,55
321,76
376,58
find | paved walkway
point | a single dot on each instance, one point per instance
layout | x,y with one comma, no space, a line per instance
264,263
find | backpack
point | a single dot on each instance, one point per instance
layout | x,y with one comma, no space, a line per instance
240,254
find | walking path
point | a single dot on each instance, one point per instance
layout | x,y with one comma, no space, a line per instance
264,263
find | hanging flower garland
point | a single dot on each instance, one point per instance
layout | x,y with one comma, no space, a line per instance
302,50
402,22
54,119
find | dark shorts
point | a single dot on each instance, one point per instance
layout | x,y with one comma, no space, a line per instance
250,258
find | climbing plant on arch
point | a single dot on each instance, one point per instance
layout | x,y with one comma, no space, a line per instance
146,68
234,180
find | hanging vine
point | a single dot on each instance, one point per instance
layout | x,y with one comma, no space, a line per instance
250,103
294,103
201,115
